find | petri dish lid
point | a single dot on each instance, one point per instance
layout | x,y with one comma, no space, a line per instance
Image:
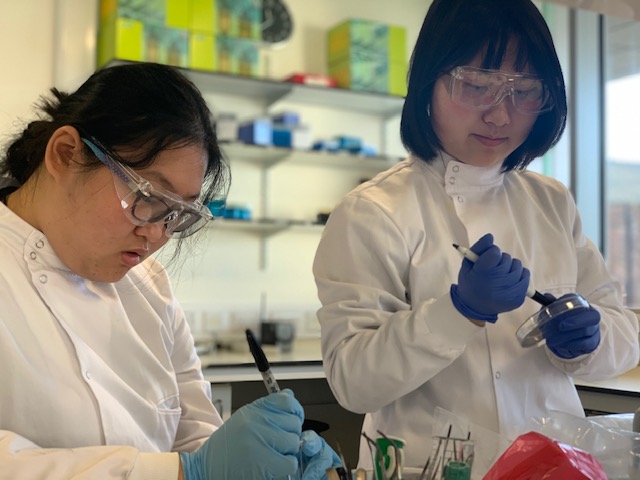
530,332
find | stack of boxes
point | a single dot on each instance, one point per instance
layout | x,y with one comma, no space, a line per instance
280,129
368,56
225,36
209,35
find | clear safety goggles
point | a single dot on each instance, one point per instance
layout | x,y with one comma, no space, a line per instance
482,89
145,203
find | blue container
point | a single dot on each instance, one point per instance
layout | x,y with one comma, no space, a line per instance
256,132
217,207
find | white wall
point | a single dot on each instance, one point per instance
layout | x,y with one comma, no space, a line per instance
45,43
51,42
26,56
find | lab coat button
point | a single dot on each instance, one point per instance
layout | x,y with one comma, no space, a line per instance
39,244
33,255
460,199
455,168
87,374
498,375
452,180
43,279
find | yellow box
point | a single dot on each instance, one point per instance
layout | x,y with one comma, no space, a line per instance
202,51
178,13
137,30
121,39
238,56
203,16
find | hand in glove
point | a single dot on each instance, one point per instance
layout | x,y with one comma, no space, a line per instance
573,333
493,284
260,440
317,456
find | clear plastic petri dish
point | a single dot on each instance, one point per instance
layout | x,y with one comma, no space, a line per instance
530,332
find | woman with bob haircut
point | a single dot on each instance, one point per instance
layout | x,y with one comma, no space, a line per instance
408,325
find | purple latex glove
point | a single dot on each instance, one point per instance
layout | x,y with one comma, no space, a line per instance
494,284
573,333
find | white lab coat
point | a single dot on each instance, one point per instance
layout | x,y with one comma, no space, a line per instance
105,369
395,347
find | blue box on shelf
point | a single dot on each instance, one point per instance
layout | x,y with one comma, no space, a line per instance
237,212
258,132
286,118
282,136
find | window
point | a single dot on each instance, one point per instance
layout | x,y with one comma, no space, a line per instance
622,153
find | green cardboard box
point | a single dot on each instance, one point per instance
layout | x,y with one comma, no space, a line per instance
371,75
144,30
240,56
366,39
231,18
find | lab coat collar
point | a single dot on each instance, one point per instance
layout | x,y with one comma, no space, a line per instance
469,175
29,243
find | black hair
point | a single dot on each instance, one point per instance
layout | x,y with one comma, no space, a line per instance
452,34
143,107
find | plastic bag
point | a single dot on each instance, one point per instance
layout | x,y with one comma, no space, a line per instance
534,456
608,438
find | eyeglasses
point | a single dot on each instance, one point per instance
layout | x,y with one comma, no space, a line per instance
145,203
482,89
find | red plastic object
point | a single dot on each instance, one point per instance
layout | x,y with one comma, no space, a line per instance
312,79
533,456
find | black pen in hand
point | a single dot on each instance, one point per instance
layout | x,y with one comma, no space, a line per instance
262,363
272,387
531,292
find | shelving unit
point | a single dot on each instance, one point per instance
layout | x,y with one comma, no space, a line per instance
267,157
266,93
264,229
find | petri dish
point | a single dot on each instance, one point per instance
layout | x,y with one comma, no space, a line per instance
530,332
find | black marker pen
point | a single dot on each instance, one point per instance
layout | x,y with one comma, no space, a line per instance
531,292
262,363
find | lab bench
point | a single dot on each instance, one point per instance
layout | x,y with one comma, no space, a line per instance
616,395
236,381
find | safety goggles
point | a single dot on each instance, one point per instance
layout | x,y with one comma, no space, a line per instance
482,89
145,203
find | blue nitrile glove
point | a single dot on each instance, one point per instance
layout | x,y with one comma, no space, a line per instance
573,333
495,283
260,440
317,456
